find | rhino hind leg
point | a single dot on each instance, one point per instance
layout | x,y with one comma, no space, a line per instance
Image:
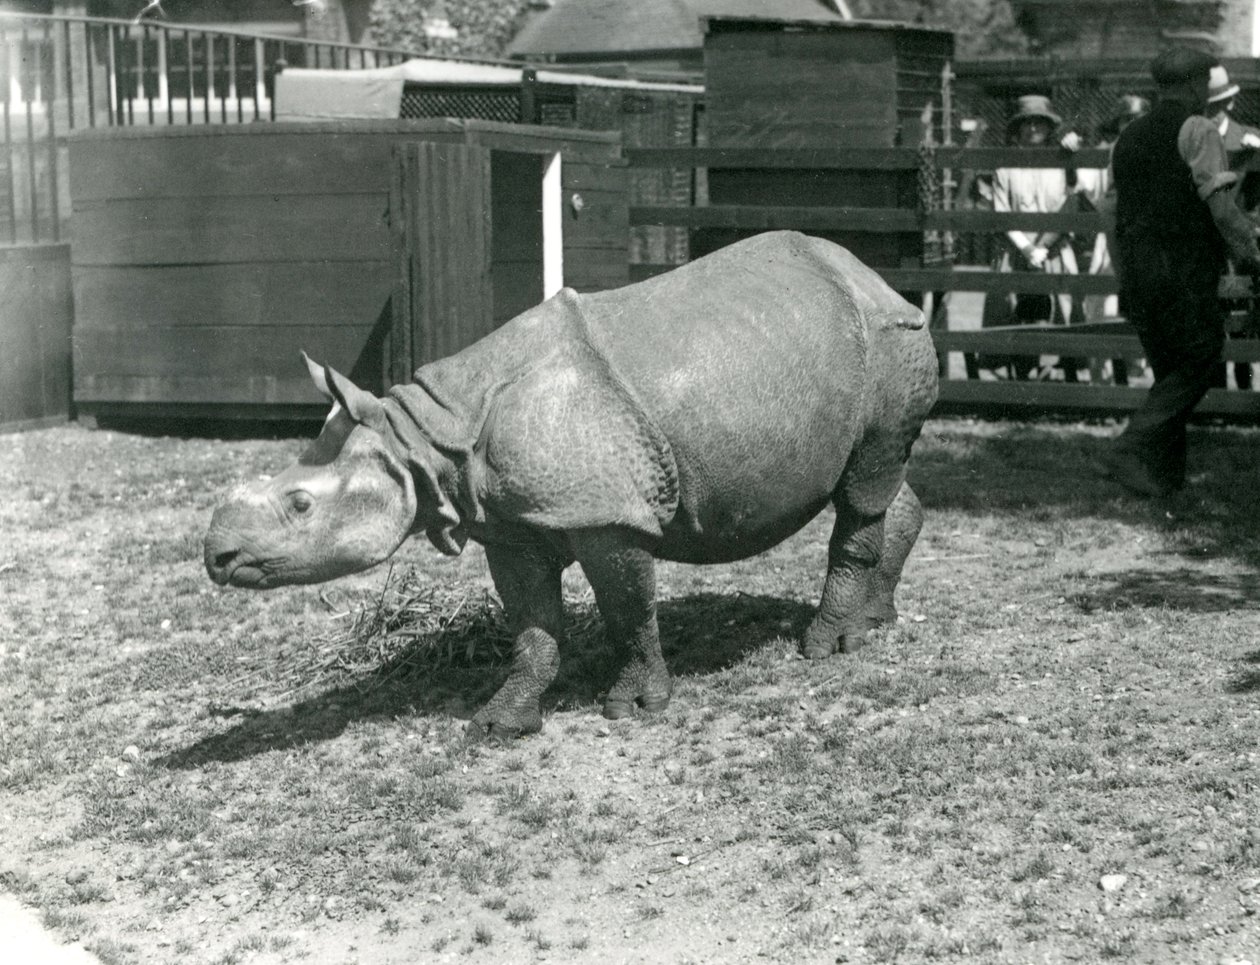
623,576
864,562
529,586
902,523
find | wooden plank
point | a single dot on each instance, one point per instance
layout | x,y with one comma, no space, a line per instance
1064,340
268,294
595,269
602,146
234,229
993,282
449,238
645,270
203,389
759,218
995,221
603,221
873,158
220,351
284,159
866,159
579,176
1065,396
886,219
397,354
313,414
273,162
36,312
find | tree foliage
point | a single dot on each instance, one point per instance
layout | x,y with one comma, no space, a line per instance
982,28
483,27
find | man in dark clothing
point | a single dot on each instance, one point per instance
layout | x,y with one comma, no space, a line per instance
1176,221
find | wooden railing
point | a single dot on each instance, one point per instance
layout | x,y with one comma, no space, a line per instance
1100,340
59,73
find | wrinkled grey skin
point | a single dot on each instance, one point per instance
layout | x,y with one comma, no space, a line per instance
702,416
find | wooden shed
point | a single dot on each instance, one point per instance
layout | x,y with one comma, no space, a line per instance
205,258
786,85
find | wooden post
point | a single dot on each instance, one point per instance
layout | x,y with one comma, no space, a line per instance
529,96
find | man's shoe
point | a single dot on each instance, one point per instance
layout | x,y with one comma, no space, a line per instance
1130,473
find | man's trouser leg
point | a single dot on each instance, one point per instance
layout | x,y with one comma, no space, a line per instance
1179,320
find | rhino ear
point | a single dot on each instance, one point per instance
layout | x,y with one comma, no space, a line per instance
363,407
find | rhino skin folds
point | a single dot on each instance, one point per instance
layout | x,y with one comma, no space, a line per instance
702,416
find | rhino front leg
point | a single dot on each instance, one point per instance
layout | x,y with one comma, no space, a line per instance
622,572
529,586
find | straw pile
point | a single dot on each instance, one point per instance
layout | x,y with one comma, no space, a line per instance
413,624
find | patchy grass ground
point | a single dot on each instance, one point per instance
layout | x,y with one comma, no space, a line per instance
1053,757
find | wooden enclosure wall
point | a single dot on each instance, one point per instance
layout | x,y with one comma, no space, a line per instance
471,256
35,317
516,259
785,86
206,258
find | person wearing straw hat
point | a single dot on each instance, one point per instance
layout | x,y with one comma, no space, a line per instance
1222,95
1176,222
1042,190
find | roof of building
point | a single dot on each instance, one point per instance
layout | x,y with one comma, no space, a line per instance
604,26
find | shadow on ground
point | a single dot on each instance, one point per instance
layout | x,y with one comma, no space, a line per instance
1046,471
1246,679
1185,589
702,633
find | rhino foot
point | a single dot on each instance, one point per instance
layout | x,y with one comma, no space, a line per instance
822,641
502,725
640,685
616,708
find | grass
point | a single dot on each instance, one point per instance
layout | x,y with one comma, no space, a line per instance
1070,694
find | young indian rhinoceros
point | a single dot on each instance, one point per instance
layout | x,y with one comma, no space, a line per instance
702,416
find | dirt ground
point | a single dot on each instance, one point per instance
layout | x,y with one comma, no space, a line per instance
1051,758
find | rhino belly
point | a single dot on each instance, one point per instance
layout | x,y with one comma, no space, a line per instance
736,502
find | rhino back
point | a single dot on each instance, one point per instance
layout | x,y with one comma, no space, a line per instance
756,364
716,406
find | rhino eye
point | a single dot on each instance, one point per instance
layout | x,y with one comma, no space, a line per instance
301,501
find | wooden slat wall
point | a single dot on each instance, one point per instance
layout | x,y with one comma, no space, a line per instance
596,232
35,318
207,262
842,84
206,257
442,203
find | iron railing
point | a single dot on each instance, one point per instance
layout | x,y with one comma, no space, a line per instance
59,73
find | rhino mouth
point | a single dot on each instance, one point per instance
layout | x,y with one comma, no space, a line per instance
238,568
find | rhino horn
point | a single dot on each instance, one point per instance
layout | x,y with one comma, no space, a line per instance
363,407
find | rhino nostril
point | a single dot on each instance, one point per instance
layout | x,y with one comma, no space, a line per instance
222,560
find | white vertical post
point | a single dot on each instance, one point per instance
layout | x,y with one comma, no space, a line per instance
552,227
1255,28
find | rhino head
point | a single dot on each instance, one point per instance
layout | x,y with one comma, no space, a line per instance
347,504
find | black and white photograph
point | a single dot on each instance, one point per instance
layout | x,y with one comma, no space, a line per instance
635,482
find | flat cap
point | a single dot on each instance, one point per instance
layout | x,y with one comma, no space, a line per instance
1176,65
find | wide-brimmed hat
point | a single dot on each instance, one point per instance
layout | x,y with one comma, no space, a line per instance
1033,106
1127,108
1219,87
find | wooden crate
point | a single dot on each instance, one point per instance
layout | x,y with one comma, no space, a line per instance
205,258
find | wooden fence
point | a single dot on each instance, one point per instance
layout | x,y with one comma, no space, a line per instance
35,317
1109,339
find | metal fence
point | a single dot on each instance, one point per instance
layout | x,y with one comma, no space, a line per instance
59,73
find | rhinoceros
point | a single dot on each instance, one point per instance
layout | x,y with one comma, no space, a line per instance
702,416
